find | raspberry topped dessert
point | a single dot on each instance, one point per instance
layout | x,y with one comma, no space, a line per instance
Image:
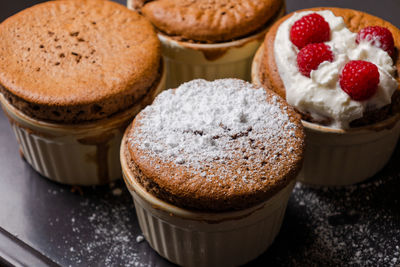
339,69
331,74
211,163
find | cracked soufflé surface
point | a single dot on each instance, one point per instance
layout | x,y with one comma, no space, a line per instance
77,60
216,146
208,20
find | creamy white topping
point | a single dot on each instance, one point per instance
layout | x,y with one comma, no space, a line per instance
321,95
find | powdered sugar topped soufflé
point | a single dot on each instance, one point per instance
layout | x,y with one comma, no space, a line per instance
320,95
222,142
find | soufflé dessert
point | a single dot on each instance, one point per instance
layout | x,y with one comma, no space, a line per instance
73,74
209,39
339,69
211,163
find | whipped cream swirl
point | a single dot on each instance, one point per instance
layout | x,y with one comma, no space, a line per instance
321,95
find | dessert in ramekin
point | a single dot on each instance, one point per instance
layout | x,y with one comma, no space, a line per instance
209,40
73,74
345,85
211,166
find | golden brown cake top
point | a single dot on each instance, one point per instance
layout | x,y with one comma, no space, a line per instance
209,20
220,145
354,21
76,53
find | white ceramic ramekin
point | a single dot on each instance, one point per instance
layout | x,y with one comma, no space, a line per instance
192,238
339,157
343,157
187,61
77,154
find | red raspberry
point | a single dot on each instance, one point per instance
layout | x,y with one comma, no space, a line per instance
378,36
311,56
310,29
359,79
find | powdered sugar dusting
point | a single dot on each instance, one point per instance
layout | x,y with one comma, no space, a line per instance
217,122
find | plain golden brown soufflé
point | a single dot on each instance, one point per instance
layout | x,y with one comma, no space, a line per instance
76,61
205,21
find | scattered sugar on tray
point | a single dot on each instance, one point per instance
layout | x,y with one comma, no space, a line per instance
201,121
339,226
351,226
54,192
102,231
117,191
139,239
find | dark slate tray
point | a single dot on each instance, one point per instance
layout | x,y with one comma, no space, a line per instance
44,223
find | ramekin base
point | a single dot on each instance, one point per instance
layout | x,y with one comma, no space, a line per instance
193,238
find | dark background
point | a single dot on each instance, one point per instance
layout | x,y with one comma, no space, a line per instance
44,223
